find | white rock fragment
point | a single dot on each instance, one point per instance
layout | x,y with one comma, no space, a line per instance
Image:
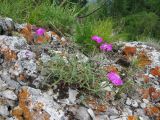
143,105
45,58
134,103
3,85
9,94
90,111
145,101
128,101
50,106
4,110
26,54
72,95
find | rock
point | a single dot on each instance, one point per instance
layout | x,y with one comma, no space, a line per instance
113,117
102,117
4,110
90,111
6,25
26,54
9,94
82,114
127,111
29,66
139,112
143,105
1,58
13,43
146,101
45,58
2,118
3,85
128,101
10,118
134,103
111,111
40,105
72,95
144,118
11,84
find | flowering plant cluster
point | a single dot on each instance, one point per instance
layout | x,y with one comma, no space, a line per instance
112,76
104,46
40,31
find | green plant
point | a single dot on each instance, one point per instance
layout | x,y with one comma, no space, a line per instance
82,74
141,24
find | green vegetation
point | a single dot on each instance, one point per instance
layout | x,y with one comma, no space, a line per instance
113,20
73,73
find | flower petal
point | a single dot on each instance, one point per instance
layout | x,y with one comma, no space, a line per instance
40,31
97,39
115,78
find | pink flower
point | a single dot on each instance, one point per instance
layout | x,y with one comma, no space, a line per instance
106,47
97,39
40,31
115,78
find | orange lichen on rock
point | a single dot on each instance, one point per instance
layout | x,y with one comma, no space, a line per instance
132,117
27,33
143,59
22,111
26,110
129,51
9,55
152,111
151,93
93,103
155,71
111,68
22,77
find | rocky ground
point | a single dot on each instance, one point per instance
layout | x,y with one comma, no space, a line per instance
22,96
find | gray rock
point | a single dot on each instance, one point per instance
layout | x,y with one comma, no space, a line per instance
112,111
145,101
3,85
10,118
90,111
113,117
143,105
9,94
50,106
82,114
134,103
4,110
13,43
11,84
72,95
128,101
102,117
144,118
25,54
139,112
45,58
127,111
6,25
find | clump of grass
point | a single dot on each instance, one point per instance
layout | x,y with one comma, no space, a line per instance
52,16
82,74
41,13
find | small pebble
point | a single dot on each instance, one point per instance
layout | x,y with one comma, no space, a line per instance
128,101
134,103
143,105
